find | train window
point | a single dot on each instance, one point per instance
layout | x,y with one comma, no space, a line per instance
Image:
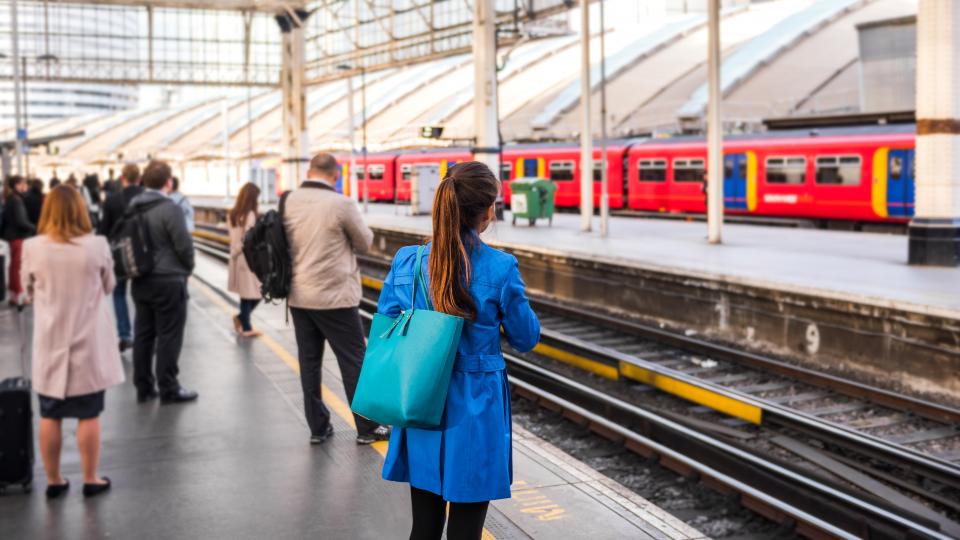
689,170
405,172
786,170
653,170
728,169
597,171
561,171
838,170
506,170
376,172
896,167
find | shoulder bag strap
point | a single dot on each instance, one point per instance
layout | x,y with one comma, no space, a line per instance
418,278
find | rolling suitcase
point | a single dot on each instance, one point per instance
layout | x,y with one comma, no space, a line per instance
16,425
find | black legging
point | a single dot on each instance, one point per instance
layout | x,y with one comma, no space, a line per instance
430,512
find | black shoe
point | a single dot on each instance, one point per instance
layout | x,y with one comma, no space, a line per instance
92,490
382,433
149,395
180,395
125,344
322,438
56,490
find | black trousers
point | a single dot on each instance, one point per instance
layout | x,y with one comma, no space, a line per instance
158,328
430,513
344,330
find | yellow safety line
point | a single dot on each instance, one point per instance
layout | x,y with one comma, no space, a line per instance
211,236
690,392
599,368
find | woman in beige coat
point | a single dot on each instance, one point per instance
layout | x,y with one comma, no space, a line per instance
240,279
69,273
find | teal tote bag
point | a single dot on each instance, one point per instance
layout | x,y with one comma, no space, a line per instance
406,371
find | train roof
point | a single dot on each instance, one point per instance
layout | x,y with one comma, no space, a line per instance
815,133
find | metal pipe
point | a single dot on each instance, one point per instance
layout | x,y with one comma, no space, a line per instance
586,132
714,128
26,119
226,142
14,55
604,180
353,180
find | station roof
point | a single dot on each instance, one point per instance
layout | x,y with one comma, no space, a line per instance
655,68
269,6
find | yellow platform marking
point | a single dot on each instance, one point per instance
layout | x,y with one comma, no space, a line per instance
206,235
702,396
599,368
879,188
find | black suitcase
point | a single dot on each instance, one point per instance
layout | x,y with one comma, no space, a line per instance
16,434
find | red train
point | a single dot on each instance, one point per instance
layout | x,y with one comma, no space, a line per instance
859,174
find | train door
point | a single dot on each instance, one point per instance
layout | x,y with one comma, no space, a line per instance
530,168
900,183
735,181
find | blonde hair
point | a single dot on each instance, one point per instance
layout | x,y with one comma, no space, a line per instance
64,215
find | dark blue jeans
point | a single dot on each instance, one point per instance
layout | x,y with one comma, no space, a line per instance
246,308
122,310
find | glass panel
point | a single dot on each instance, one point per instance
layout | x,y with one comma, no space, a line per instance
405,172
790,170
688,170
839,171
561,171
653,170
896,166
506,170
376,172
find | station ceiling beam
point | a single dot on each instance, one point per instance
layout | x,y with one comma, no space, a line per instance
263,6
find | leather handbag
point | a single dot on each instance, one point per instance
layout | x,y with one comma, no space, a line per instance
406,370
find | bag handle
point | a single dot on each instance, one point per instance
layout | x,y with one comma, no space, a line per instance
418,278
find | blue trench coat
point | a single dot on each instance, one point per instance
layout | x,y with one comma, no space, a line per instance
469,458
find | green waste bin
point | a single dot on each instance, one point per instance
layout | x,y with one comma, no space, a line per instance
532,198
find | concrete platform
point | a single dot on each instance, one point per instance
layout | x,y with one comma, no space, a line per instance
236,464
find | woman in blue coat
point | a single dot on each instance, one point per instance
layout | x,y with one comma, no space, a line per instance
468,460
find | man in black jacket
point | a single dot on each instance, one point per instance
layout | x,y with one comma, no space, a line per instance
113,210
33,201
161,296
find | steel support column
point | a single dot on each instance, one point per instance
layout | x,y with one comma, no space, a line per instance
487,149
586,130
14,59
935,229
714,128
294,105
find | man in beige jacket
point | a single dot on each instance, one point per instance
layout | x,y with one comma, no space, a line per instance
325,230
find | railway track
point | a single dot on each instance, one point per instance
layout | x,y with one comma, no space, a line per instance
835,457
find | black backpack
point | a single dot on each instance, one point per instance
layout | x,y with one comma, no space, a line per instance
267,252
131,245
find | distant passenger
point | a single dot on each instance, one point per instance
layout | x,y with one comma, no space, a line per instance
161,296
33,200
112,185
113,209
468,460
240,279
325,230
92,197
15,228
181,200
69,272
54,182
72,181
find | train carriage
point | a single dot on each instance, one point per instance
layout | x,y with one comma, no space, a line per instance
561,164
442,158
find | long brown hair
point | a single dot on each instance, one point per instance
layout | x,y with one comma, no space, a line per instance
10,186
64,216
246,203
464,196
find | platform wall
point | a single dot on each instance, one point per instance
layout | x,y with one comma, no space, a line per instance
894,348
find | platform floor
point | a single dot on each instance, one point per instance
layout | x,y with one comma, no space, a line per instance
866,268
237,464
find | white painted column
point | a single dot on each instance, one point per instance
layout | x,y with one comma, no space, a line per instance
487,148
935,229
294,107
714,128
15,60
586,129
353,182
